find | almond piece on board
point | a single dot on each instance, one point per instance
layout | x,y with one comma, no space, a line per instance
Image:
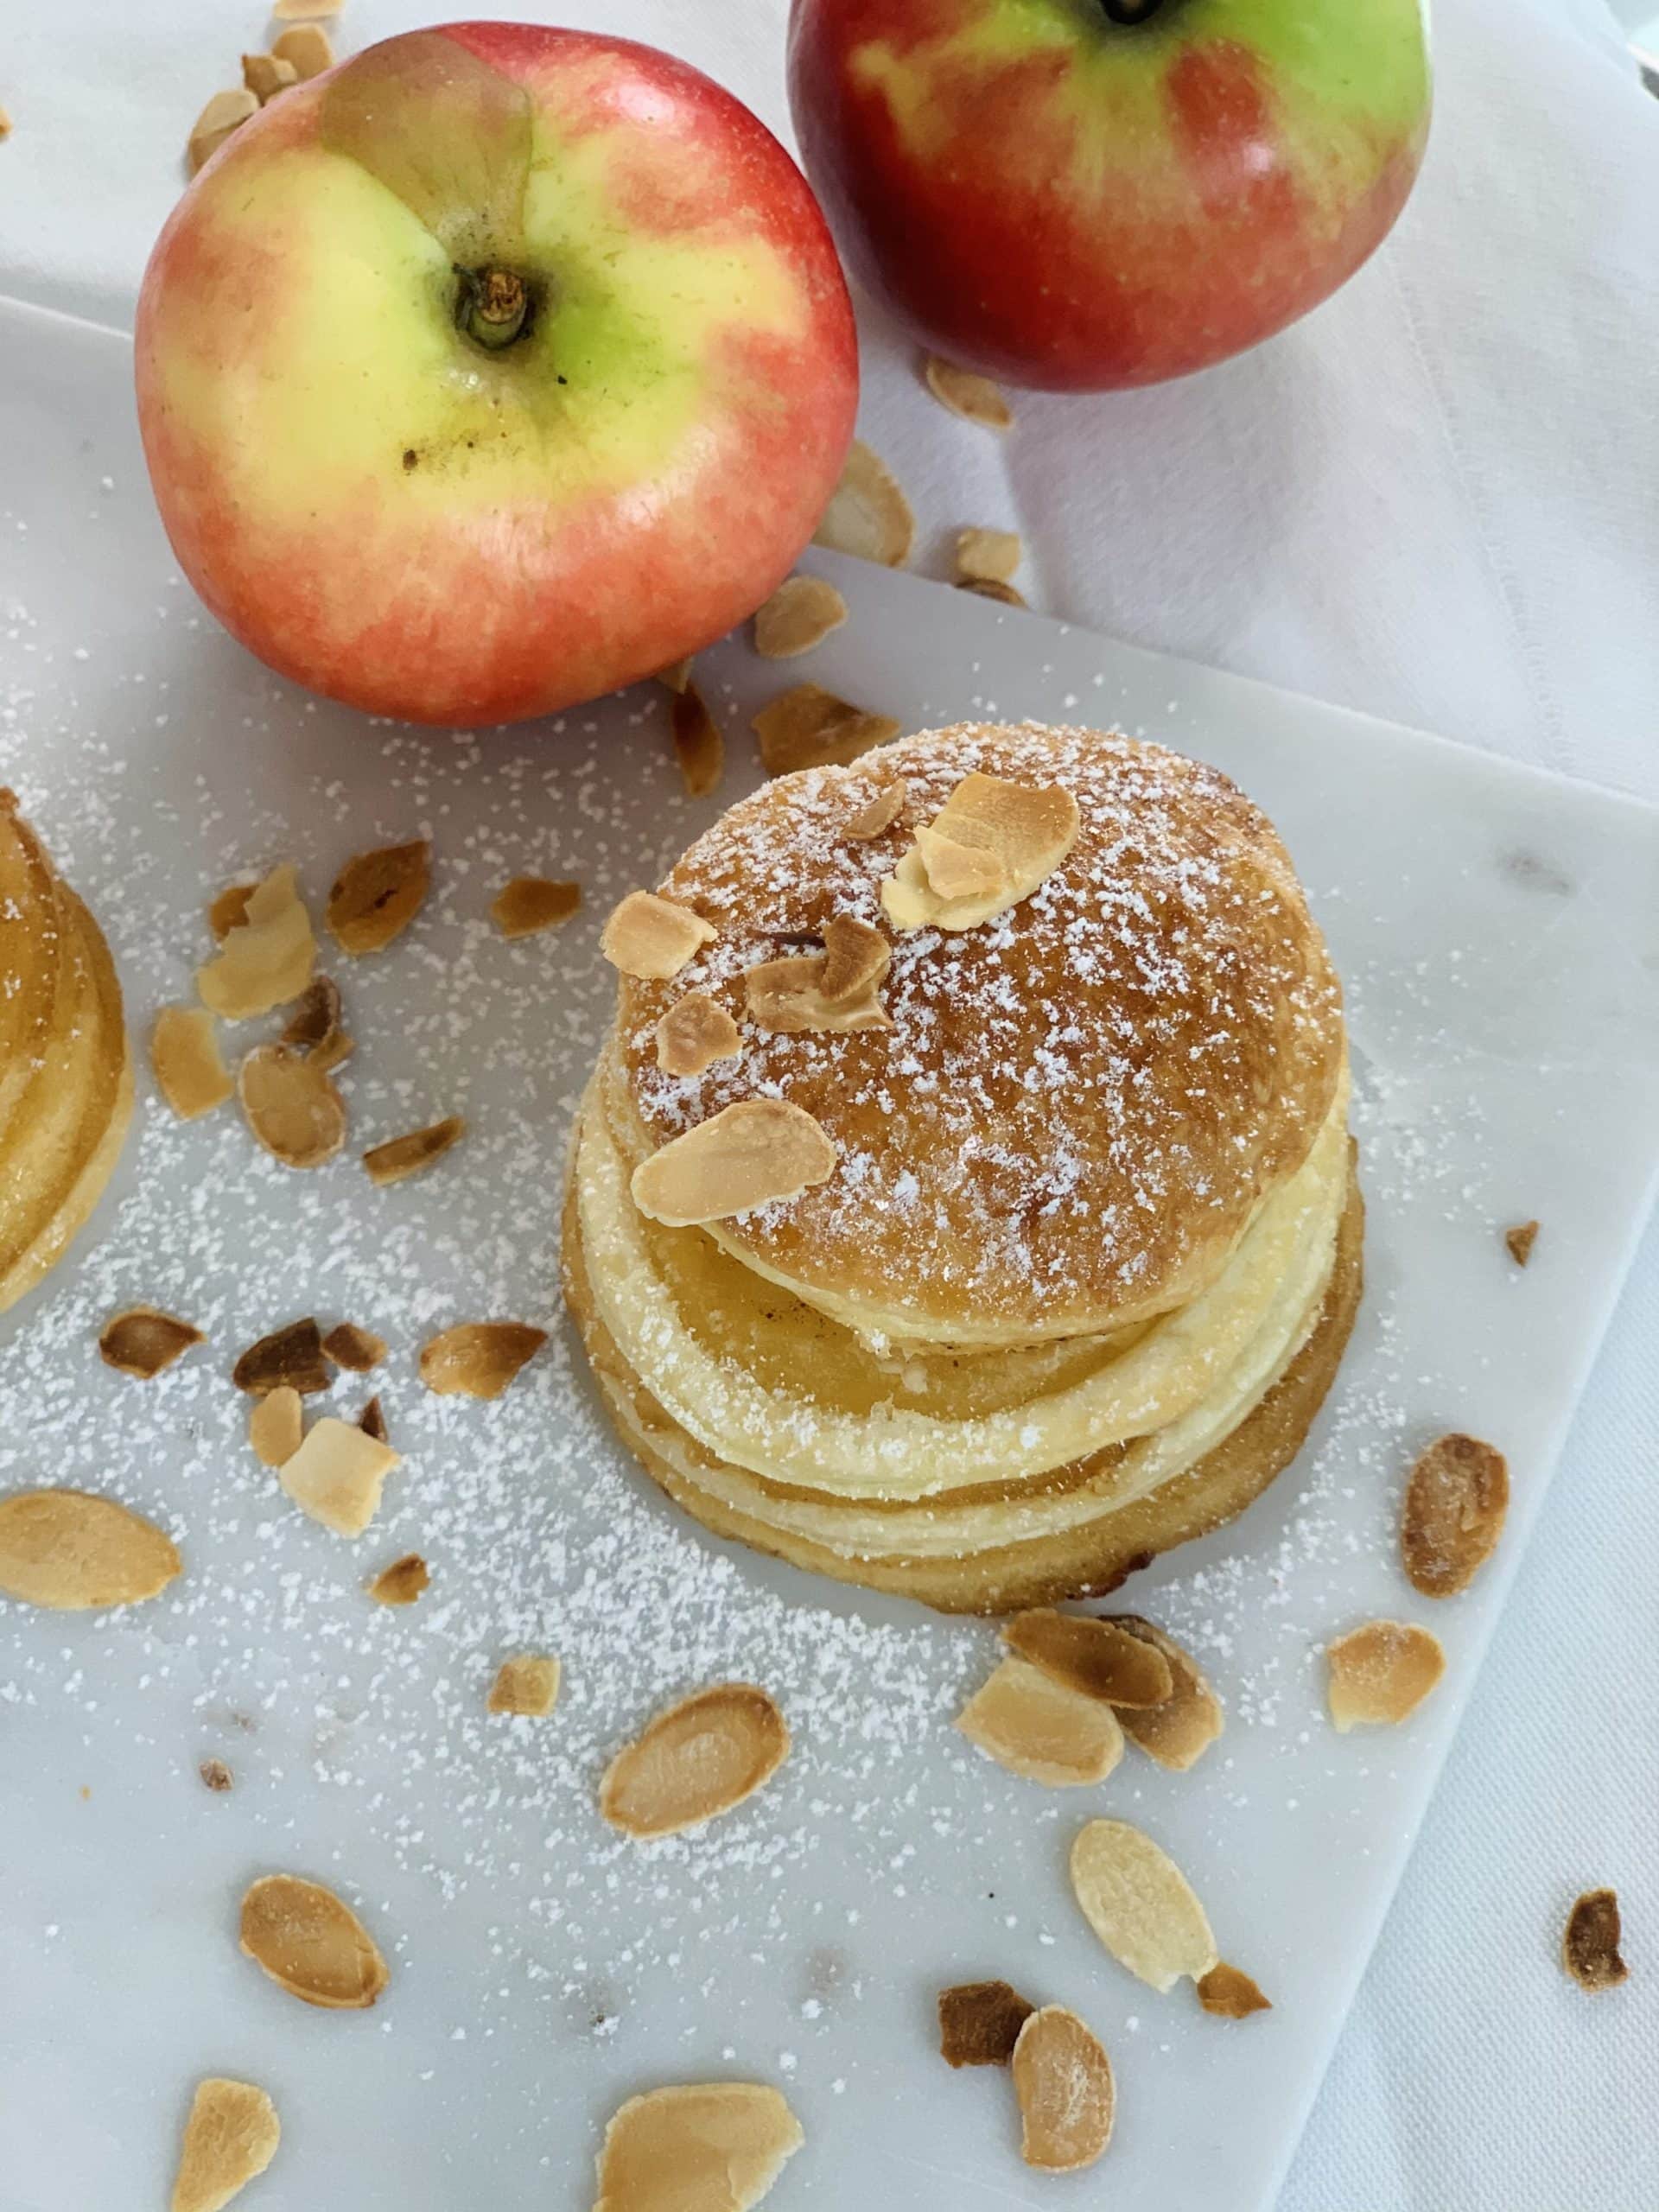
1590,1948
142,1340
356,1350
276,1426
306,45
526,1684
1230,1993
190,1070
1140,1905
478,1359
1521,1240
229,2136
266,958
695,1032
980,2023
291,1355
291,1106
750,1154
311,1943
1068,2099
265,76
377,894
715,2146
1005,594
225,113
400,1583
1041,1728
975,399
867,516
810,728
1453,1514
373,1422
75,1553
401,1157
1101,1658
652,937
1178,1733
1380,1672
700,1758
799,615
698,746
988,555
337,1474
314,1027
530,904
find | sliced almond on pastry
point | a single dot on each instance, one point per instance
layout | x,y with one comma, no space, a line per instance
974,397
1178,1731
788,996
695,1032
143,1341
1068,2099
267,957
1140,1905
810,728
1381,1672
1101,1658
311,1943
337,1474
1039,1728
1018,833
856,957
1454,1516
879,813
478,1359
74,1553
799,615
189,1067
229,2136
754,1153
652,937
701,1757
377,895
869,515
696,2147
528,1684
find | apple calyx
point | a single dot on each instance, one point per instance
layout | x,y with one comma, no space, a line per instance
1130,12
494,306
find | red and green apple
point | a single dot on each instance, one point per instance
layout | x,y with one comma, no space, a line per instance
1081,194
497,367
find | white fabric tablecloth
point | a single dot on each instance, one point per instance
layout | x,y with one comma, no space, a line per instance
1438,499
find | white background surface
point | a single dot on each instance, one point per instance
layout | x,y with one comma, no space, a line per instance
1434,501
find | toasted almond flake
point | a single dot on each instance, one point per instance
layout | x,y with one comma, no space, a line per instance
1005,594
1178,1733
74,1553
400,1583
401,1157
225,113
954,871
1590,1949
700,1758
314,1027
988,555
980,2023
229,2136
698,746
759,1151
1068,2099
291,1106
357,1350
869,515
695,1032
975,399
1040,1728
856,957
715,2147
373,1422
5,123
142,1341
530,904
267,957
216,1776
304,12
1230,1993
1101,1658
276,1426
652,937
1381,1672
1027,829
230,909
291,1355
1454,1516
528,1684
799,615
677,675
311,1943
1139,1904
1521,1240
377,894
266,74
880,813
810,728
308,47
478,1359
788,995
189,1070
336,1475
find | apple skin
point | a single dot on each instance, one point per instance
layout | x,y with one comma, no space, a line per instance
1078,205
394,515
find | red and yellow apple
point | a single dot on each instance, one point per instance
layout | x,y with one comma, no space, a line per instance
1081,194
495,368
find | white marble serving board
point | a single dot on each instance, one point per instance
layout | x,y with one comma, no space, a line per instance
1499,938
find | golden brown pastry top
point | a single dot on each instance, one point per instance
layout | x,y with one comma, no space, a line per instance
1078,1105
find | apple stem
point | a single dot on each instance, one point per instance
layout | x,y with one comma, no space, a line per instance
494,306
